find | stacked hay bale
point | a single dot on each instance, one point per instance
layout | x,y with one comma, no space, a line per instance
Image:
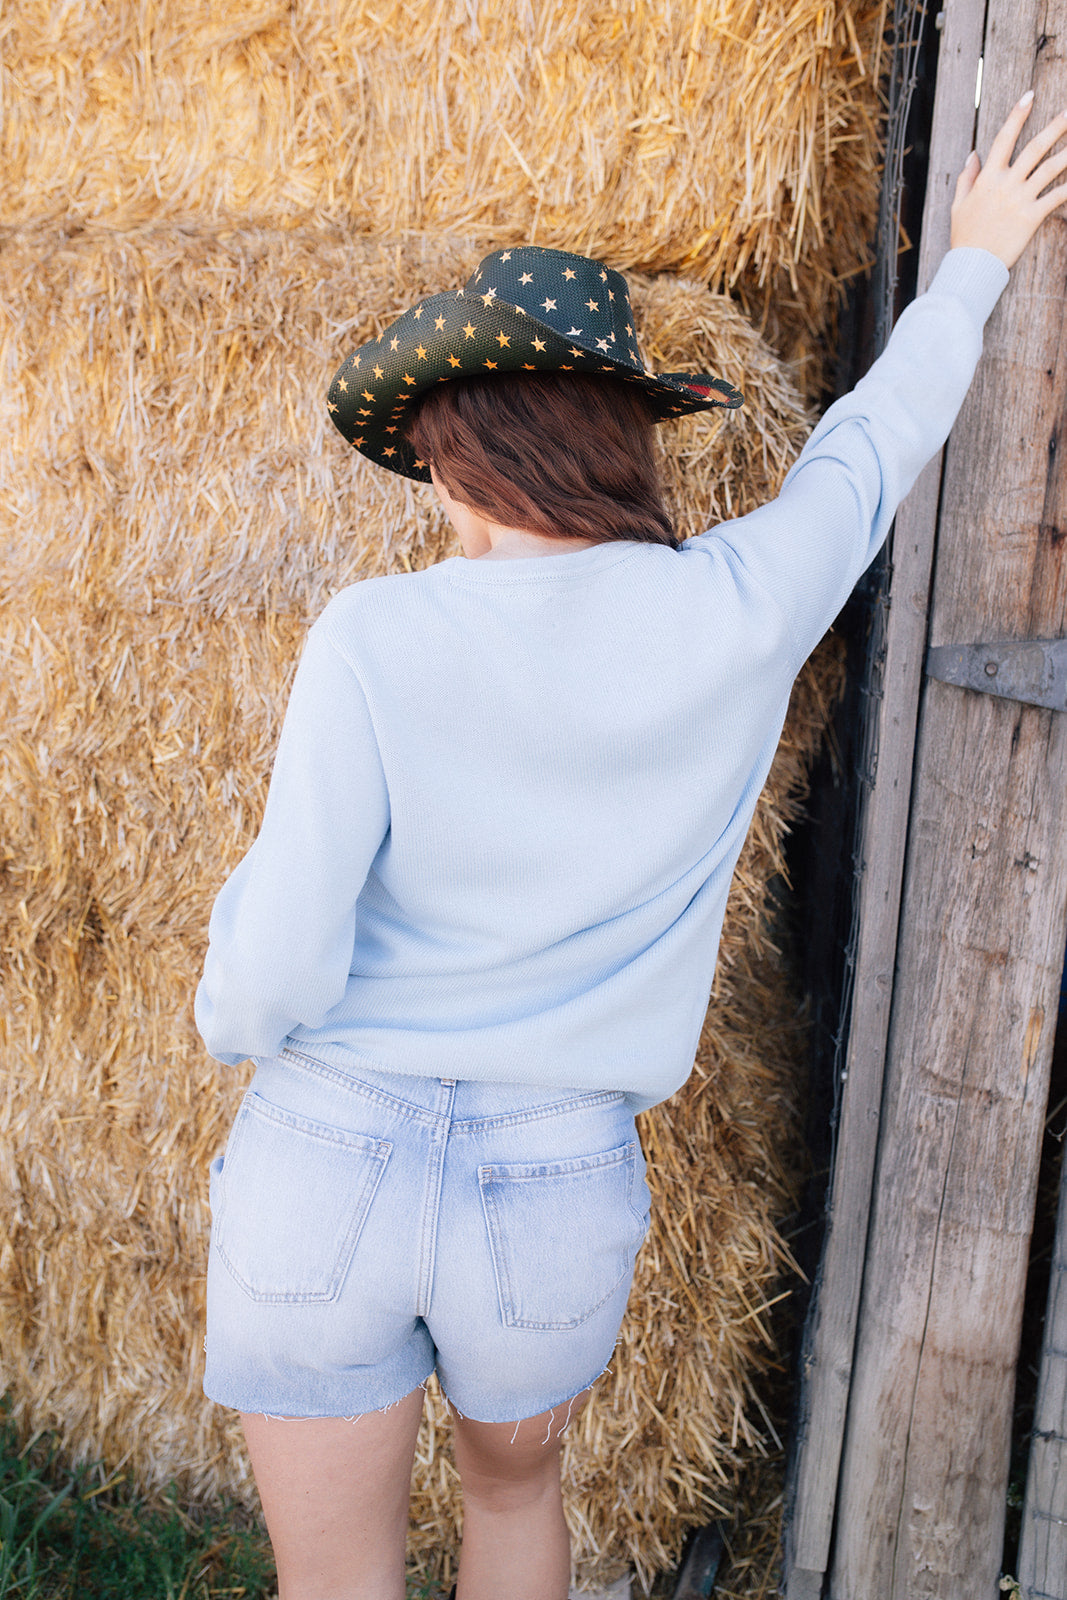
176,509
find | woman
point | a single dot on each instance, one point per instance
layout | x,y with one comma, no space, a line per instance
476,932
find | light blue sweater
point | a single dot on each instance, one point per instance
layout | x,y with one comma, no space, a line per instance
509,795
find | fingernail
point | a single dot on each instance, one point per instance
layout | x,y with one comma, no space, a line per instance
1027,97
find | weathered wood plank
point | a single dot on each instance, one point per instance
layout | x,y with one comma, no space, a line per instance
827,1362
1043,1546
924,1471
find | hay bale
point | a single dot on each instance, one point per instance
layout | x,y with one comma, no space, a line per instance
733,140
177,507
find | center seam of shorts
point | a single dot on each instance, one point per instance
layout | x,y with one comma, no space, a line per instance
431,1202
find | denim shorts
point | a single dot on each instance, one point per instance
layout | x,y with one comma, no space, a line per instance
369,1230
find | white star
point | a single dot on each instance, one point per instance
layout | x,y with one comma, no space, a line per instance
574,333
549,305
487,299
506,256
567,272
526,278
602,344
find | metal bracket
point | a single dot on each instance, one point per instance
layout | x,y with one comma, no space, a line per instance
1033,671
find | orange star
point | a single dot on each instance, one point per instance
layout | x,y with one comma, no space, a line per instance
342,385
502,340
539,344
378,373
367,395
611,294
417,313
454,361
357,441
394,343
391,428
390,450
331,405
528,367
356,360
420,351
406,396
491,365
364,412
487,299
565,368
568,272
469,330
419,463
577,354
603,277
520,311
408,379
592,305
439,324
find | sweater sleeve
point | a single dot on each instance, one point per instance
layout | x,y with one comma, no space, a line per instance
282,930
807,548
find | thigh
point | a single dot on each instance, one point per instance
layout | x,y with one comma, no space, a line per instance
335,1497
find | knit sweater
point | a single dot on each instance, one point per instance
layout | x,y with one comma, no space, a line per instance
509,795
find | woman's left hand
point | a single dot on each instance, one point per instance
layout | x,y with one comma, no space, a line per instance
999,207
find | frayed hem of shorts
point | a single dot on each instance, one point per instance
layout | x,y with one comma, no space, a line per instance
357,1416
451,1406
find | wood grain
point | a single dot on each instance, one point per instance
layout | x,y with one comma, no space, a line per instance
924,1471
827,1361
1043,1545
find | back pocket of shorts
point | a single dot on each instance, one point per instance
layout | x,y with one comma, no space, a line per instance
292,1198
563,1235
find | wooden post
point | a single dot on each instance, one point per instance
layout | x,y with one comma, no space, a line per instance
827,1360
924,1470
1043,1547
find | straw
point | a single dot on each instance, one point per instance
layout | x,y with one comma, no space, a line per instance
175,509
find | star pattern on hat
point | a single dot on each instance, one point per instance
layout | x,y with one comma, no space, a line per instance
493,319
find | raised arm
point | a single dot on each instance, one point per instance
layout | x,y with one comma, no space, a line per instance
808,547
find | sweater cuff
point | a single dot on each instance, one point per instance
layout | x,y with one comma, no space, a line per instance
973,275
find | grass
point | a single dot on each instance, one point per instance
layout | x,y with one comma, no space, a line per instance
75,1534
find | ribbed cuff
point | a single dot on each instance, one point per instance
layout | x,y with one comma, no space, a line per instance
976,276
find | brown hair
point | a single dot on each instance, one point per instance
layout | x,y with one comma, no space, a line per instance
566,455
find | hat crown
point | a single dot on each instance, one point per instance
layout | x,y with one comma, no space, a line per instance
577,297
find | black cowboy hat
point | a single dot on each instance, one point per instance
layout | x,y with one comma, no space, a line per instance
524,310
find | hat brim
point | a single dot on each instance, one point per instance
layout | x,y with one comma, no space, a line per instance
450,336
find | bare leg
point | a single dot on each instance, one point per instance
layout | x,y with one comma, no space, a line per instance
515,1541
335,1496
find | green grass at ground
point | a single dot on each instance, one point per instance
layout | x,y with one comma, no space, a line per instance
71,1533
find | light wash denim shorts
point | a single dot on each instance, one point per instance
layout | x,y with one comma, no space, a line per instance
367,1231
